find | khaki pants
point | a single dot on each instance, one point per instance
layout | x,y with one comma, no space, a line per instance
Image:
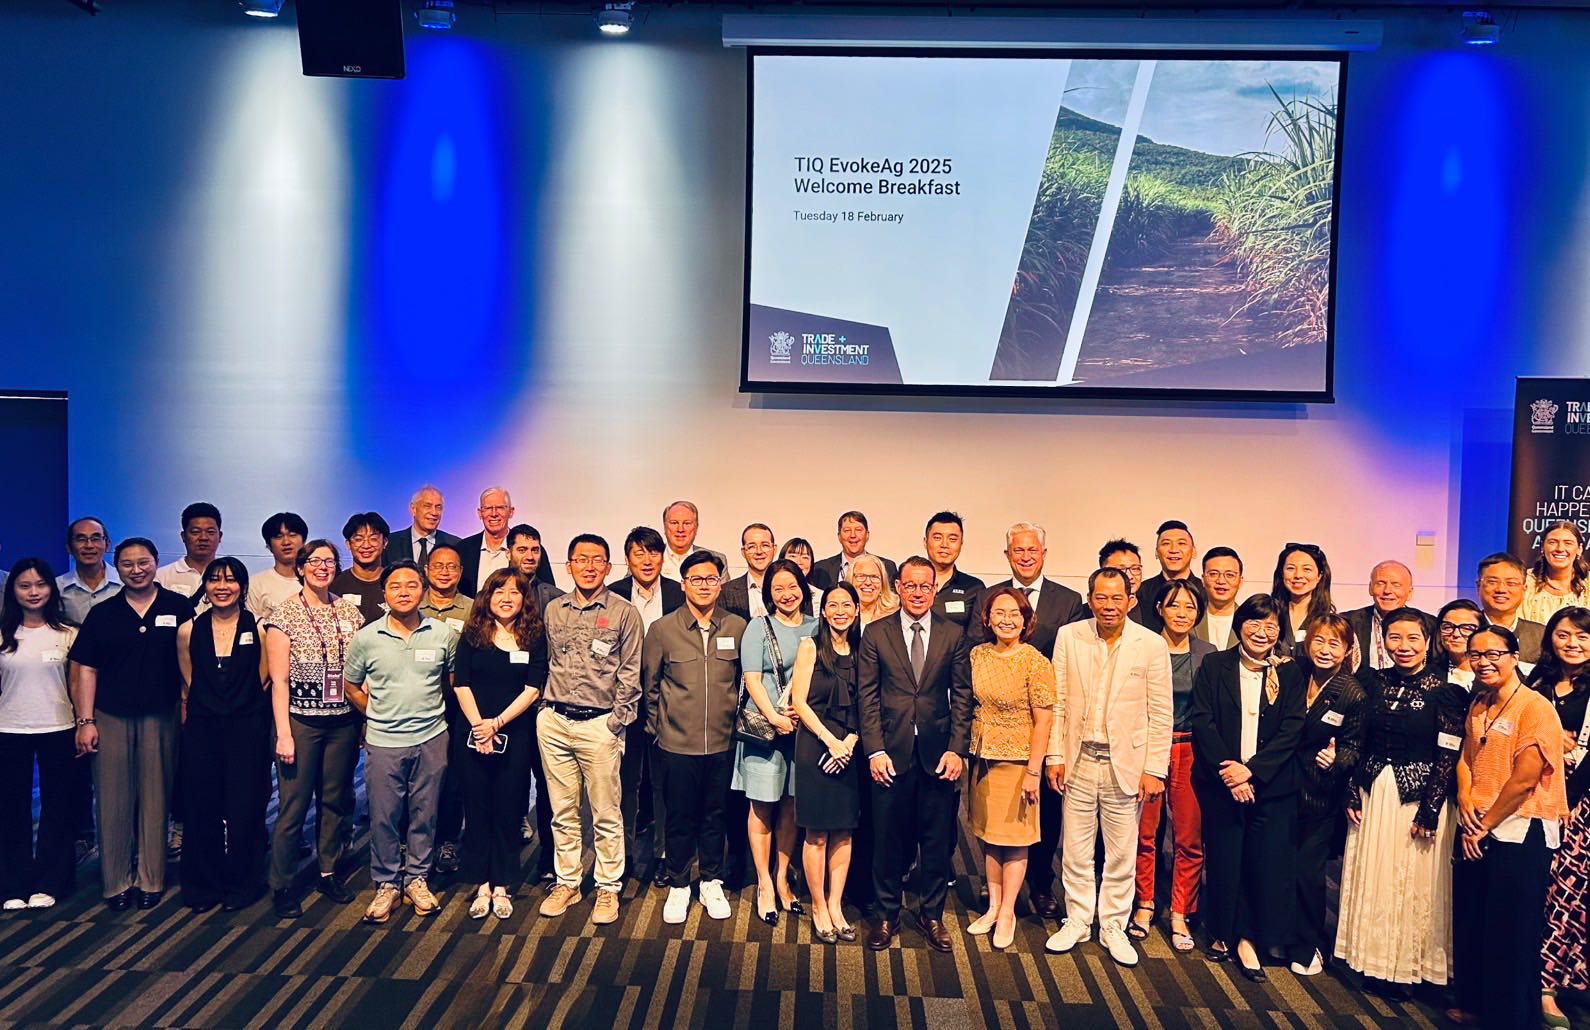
582,758
132,780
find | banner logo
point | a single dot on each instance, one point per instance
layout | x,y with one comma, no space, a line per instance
779,347
1543,416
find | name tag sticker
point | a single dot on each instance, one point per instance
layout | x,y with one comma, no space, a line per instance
518,657
601,648
347,627
725,643
245,637
357,600
456,624
1331,718
1503,726
955,607
425,655
1449,741
165,620
54,656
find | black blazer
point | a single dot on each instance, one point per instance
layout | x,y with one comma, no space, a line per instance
1147,594
902,717
962,591
826,572
1338,713
673,595
400,545
1531,638
1058,606
736,597
1215,716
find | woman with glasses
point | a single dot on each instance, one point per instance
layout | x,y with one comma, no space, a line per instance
226,746
317,730
1395,924
1456,622
1560,577
500,671
871,580
1563,676
764,773
1301,587
1511,807
36,730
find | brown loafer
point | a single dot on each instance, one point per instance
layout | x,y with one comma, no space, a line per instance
882,934
938,937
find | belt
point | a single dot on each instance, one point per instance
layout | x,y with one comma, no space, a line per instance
1097,752
579,713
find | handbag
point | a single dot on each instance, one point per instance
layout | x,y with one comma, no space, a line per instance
749,722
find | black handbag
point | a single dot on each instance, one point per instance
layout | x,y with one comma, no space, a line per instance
749,723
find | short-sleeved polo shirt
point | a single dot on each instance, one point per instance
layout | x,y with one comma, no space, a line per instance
405,679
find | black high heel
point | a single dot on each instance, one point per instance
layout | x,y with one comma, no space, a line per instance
769,917
1256,973
794,907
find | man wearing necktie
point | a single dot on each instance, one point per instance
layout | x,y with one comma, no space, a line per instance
915,694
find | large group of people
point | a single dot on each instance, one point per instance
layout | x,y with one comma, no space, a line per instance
1177,743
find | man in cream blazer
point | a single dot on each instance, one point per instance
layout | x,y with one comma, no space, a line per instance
1109,750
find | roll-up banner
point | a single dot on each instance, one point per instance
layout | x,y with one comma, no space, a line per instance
1551,460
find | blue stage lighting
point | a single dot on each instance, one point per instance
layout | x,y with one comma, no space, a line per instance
1480,29
262,8
436,15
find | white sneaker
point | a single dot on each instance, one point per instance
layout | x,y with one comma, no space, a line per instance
1116,943
1070,934
13,905
677,907
1315,966
712,897
41,901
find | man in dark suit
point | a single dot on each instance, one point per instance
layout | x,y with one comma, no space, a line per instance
1501,587
915,695
416,542
1390,586
486,551
742,595
853,537
956,595
1173,546
1054,605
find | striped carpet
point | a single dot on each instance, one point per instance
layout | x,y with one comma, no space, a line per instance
81,965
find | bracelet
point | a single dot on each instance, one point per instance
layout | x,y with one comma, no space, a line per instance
85,722
1031,773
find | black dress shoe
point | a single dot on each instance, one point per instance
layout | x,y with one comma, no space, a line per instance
1046,905
120,902
938,936
148,900
285,904
659,878
334,889
238,902
1254,973
198,906
882,934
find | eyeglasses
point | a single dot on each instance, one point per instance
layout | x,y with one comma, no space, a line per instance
1221,577
136,564
587,563
1459,629
1136,570
322,563
1491,657
701,581
867,578
495,509
1492,582
97,538
916,588
445,566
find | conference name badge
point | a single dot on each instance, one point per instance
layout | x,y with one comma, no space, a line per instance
955,607
1503,726
425,655
1331,718
601,648
725,643
1449,741
167,621
456,624
357,600
518,657
245,637
54,656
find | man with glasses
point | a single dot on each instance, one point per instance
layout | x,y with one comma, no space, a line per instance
1500,578
201,538
742,595
486,551
415,542
445,603
690,671
125,699
1390,586
366,535
1124,555
1223,584
592,694
91,581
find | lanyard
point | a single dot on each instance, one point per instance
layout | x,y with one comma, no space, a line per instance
325,650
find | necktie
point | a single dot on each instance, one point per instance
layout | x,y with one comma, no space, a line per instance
1027,593
918,652
425,549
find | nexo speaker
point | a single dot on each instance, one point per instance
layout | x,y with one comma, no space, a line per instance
354,39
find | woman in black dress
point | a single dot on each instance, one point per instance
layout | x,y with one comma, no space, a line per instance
226,746
501,668
827,781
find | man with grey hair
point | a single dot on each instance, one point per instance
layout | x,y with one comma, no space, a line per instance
416,542
1054,605
486,551
1390,586
681,520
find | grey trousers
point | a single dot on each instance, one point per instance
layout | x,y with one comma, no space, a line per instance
324,756
400,779
132,782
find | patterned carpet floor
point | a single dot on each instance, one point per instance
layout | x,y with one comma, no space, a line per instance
82,965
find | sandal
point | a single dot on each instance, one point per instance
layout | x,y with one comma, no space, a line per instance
501,904
1181,940
480,905
1139,931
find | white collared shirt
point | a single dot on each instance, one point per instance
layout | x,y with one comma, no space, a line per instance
1096,691
1379,657
1036,589
77,599
1251,684
490,561
415,542
650,608
671,563
926,622
753,594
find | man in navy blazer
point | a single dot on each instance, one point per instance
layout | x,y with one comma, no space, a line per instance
425,507
915,695
854,534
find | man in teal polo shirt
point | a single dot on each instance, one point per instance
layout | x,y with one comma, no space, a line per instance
396,673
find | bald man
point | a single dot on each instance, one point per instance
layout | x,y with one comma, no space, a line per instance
1390,587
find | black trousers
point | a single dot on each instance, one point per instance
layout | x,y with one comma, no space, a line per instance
913,818
543,799
450,810
859,889
50,867
643,801
1498,920
495,789
1315,836
694,787
1041,856
737,836
225,770
1249,886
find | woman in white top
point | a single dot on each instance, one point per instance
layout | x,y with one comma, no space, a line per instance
1560,577
36,728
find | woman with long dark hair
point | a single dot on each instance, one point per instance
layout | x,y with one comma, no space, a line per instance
1301,589
1563,675
500,672
827,773
1455,624
36,730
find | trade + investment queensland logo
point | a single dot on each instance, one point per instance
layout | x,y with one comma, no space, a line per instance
1543,416
779,347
